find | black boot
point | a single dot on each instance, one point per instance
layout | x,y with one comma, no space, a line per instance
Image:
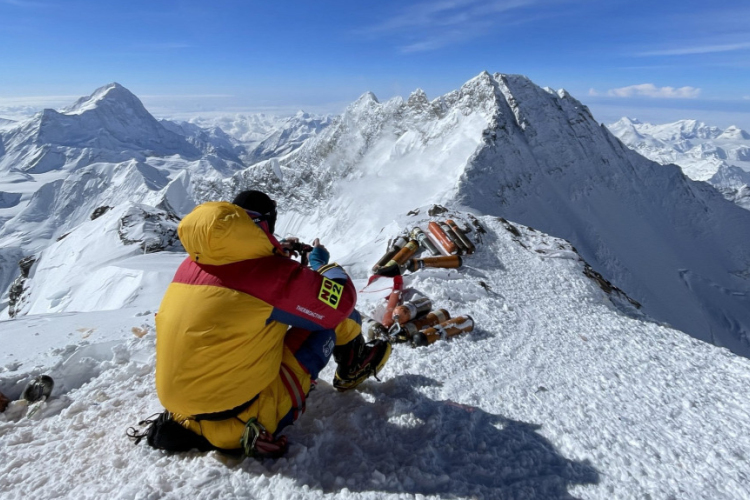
40,387
358,360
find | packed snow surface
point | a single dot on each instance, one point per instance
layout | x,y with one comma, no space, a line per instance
559,393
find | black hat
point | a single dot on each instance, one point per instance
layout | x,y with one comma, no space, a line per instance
257,201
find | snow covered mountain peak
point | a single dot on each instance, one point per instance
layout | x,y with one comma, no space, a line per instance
110,125
502,145
365,99
733,132
113,96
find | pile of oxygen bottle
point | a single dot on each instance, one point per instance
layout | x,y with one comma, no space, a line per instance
446,243
414,321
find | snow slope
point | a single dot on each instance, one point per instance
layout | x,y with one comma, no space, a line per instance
562,392
501,145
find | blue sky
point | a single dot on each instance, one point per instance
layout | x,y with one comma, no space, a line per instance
657,60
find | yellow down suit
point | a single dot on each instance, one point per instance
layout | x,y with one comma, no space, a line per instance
224,349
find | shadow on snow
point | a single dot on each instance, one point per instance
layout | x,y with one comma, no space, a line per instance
404,442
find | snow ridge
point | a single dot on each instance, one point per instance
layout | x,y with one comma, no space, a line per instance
502,145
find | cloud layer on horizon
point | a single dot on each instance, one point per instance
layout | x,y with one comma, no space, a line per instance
650,90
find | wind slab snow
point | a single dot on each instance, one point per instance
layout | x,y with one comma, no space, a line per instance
563,391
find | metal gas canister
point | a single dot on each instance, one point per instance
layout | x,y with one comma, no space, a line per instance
444,330
410,310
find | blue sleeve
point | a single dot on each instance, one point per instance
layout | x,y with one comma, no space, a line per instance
318,258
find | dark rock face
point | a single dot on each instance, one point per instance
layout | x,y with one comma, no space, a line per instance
17,292
99,212
154,230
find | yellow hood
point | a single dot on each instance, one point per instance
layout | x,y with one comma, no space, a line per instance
218,232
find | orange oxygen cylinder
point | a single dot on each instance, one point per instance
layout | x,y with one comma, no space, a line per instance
435,317
393,250
410,310
441,237
444,261
393,299
404,254
470,248
444,330
454,238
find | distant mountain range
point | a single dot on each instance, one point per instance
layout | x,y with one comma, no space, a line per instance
705,153
499,146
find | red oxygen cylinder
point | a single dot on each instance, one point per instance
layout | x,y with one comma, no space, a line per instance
393,299
441,237
470,248
452,236
444,330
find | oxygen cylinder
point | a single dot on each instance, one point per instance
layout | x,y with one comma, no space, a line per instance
441,237
404,254
393,250
470,248
393,300
444,330
373,330
454,238
423,240
411,328
412,309
444,261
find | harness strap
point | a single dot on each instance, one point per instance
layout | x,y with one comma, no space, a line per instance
226,414
294,388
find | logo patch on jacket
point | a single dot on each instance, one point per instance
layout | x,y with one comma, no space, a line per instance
330,293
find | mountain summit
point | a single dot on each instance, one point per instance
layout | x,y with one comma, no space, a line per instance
502,145
109,125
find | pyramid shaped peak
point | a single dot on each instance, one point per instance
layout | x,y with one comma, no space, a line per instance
367,97
627,121
112,94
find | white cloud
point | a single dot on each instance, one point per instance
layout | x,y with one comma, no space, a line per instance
429,26
703,49
651,90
